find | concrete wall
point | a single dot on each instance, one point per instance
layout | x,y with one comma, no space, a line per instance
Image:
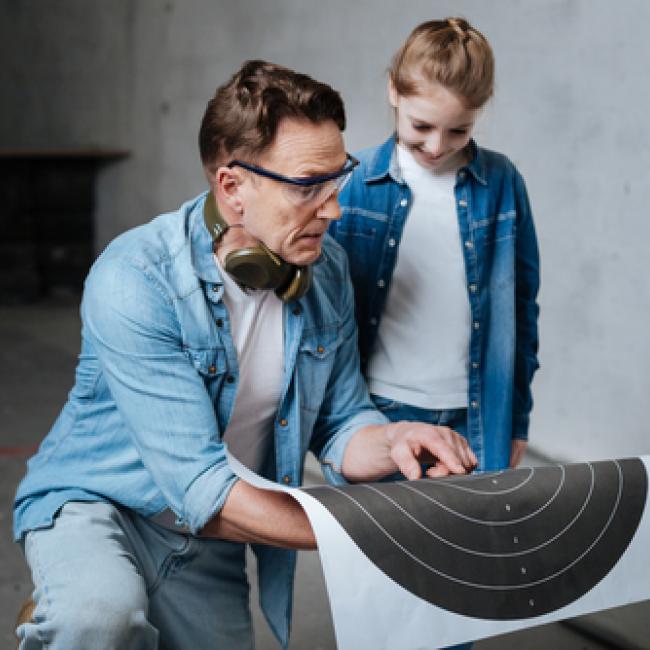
570,110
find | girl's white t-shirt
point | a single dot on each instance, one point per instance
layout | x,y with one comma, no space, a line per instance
421,354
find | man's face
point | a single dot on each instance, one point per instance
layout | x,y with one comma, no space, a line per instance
294,232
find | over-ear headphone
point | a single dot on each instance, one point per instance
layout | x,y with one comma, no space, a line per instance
257,267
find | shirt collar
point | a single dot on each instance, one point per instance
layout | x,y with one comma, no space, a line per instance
383,163
476,166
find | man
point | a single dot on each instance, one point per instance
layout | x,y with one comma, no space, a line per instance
227,323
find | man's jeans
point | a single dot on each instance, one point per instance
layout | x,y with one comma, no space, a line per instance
456,419
107,578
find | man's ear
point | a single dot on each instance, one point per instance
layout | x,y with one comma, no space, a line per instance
226,185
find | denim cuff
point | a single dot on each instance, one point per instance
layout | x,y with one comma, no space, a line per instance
206,496
331,457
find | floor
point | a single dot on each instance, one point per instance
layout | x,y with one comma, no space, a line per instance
37,359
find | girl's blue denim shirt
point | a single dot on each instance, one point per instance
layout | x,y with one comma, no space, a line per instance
156,384
502,267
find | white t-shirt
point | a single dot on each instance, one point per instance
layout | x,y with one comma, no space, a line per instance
257,331
422,346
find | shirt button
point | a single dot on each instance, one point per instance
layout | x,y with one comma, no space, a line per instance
284,422
373,321
476,324
474,404
469,244
381,284
320,349
286,479
212,369
297,310
215,287
219,322
473,288
475,365
391,242
462,203
461,175
404,202
230,379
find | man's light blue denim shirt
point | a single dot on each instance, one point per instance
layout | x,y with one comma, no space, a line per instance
156,384
501,258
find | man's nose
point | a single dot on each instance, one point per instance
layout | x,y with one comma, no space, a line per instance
330,208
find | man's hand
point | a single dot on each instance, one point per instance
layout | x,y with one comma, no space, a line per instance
415,443
376,451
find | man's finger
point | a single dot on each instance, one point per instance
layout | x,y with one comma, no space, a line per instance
443,451
406,461
467,455
438,471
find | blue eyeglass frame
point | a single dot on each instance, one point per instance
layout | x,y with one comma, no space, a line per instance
304,181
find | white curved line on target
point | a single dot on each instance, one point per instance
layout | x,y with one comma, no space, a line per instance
467,583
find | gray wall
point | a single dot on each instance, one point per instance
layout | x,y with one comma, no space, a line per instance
570,110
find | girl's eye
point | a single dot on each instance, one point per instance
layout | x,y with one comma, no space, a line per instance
459,131
421,127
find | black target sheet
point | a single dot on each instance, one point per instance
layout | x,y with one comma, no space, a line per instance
500,546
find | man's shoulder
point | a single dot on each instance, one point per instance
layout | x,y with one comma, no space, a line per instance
155,240
154,257
152,245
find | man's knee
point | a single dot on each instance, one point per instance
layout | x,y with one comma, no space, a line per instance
93,622
102,623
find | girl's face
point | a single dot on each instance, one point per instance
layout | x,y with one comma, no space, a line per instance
432,124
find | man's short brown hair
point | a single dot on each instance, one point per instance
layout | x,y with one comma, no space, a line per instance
242,118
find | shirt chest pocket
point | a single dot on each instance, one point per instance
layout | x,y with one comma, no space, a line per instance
316,357
211,365
495,228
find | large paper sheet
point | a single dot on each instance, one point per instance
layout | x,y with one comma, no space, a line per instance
435,562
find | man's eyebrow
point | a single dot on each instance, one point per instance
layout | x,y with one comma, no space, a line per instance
312,171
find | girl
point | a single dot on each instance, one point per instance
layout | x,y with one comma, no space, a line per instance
443,253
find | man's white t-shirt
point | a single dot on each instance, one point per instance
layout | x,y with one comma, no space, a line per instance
256,322
422,347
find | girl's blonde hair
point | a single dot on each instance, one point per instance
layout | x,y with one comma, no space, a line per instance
450,52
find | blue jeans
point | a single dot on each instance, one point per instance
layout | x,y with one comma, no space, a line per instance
107,578
455,419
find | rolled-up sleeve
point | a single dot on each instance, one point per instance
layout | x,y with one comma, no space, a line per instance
130,320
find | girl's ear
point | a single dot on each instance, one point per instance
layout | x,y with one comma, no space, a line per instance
393,96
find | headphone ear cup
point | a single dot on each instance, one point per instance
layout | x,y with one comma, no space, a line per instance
254,268
298,285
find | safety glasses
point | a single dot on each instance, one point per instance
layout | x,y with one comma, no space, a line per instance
306,190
